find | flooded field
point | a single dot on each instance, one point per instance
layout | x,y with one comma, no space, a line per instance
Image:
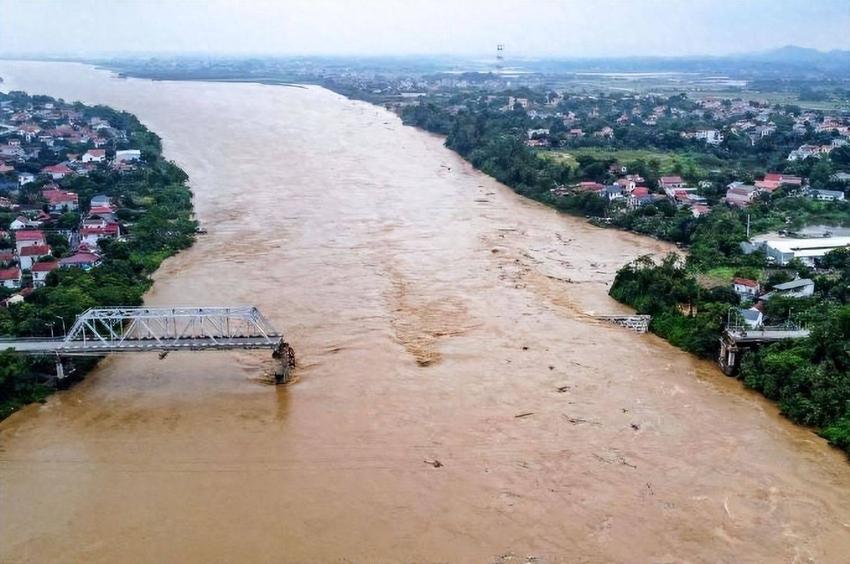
437,317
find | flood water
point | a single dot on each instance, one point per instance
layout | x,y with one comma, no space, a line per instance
436,316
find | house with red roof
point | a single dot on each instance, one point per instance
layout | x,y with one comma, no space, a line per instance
28,237
91,234
99,214
774,180
84,259
10,277
699,210
29,255
60,201
640,196
741,195
671,183
58,171
588,186
40,270
94,156
769,186
745,287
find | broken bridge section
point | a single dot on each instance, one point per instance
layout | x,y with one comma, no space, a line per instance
100,331
637,323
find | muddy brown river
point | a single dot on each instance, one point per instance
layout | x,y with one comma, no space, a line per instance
436,316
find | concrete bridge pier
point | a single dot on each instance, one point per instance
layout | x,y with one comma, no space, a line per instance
60,370
286,362
729,357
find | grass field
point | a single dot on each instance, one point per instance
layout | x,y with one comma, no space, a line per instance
722,275
666,160
773,98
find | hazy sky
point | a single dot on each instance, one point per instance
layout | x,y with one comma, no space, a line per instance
561,28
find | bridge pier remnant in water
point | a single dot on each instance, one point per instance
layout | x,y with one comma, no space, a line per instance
285,357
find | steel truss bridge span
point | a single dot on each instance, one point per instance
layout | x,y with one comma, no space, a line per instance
100,331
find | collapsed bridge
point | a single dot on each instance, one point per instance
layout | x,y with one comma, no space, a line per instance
100,331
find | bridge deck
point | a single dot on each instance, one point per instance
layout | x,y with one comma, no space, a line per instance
60,346
767,335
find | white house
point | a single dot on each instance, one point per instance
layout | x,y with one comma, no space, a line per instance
745,287
671,182
94,156
22,222
25,238
710,136
532,133
57,172
128,155
10,277
60,201
29,255
40,270
753,318
827,195
91,234
25,178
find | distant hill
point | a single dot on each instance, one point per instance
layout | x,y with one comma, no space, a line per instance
794,54
786,62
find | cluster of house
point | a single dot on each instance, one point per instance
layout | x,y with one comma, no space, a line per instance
742,195
751,291
681,195
38,133
709,136
817,151
76,145
631,189
31,250
754,120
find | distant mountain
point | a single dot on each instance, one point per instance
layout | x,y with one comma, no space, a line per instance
794,55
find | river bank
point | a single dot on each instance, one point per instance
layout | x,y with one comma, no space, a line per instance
84,255
374,248
810,383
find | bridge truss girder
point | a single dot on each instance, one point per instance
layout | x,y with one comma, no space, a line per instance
170,328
